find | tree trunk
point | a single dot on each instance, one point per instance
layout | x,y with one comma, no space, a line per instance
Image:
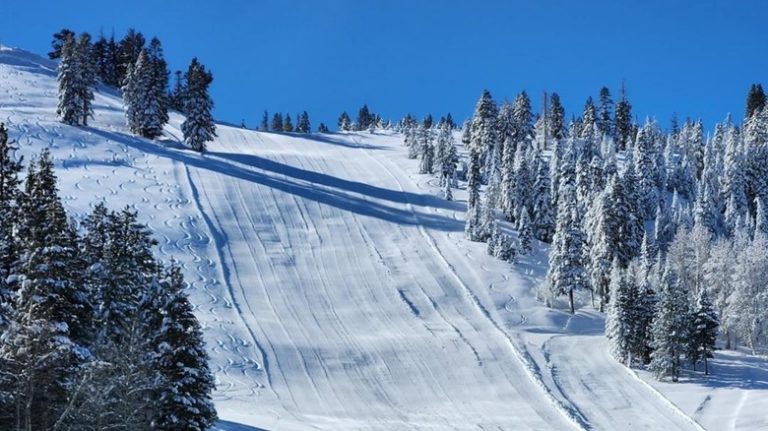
706,366
570,299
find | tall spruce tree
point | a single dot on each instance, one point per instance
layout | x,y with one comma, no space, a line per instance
75,78
557,122
703,331
184,400
198,127
144,94
756,100
623,126
605,113
567,261
670,328
46,339
483,133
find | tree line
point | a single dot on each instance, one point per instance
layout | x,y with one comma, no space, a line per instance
665,229
140,72
95,332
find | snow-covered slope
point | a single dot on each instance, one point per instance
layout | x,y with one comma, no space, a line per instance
336,288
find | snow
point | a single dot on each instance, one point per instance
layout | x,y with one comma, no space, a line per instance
336,289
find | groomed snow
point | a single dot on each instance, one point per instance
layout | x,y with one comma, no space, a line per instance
337,291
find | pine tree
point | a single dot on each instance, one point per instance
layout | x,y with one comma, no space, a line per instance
264,124
277,122
526,232
322,128
45,340
185,399
756,100
9,211
557,116
75,78
59,39
703,332
620,320
670,328
344,123
128,49
589,122
106,58
623,123
426,150
446,156
145,96
303,125
567,260
473,197
605,111
543,213
483,130
198,127
646,170
287,124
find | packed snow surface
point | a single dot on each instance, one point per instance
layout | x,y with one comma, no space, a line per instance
337,291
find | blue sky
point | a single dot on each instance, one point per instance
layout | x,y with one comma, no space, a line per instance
696,58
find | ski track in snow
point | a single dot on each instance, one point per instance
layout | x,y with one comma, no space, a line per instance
335,287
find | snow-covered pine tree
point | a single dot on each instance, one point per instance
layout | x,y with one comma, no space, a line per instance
633,225
129,49
488,213
472,228
521,189
604,235
75,78
198,127
703,331
45,341
543,213
589,122
670,328
620,320
557,118
344,124
567,261
645,159
483,131
525,236
623,122
605,113
9,254
322,128
146,106
505,125
446,157
59,38
426,150
180,357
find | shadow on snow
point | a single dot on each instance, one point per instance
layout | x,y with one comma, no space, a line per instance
327,196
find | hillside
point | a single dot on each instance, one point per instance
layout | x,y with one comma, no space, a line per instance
336,288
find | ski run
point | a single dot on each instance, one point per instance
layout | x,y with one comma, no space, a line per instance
337,291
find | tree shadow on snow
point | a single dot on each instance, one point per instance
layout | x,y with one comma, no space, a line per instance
331,181
327,195
232,426
731,371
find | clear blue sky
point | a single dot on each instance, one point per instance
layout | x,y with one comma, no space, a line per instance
695,57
